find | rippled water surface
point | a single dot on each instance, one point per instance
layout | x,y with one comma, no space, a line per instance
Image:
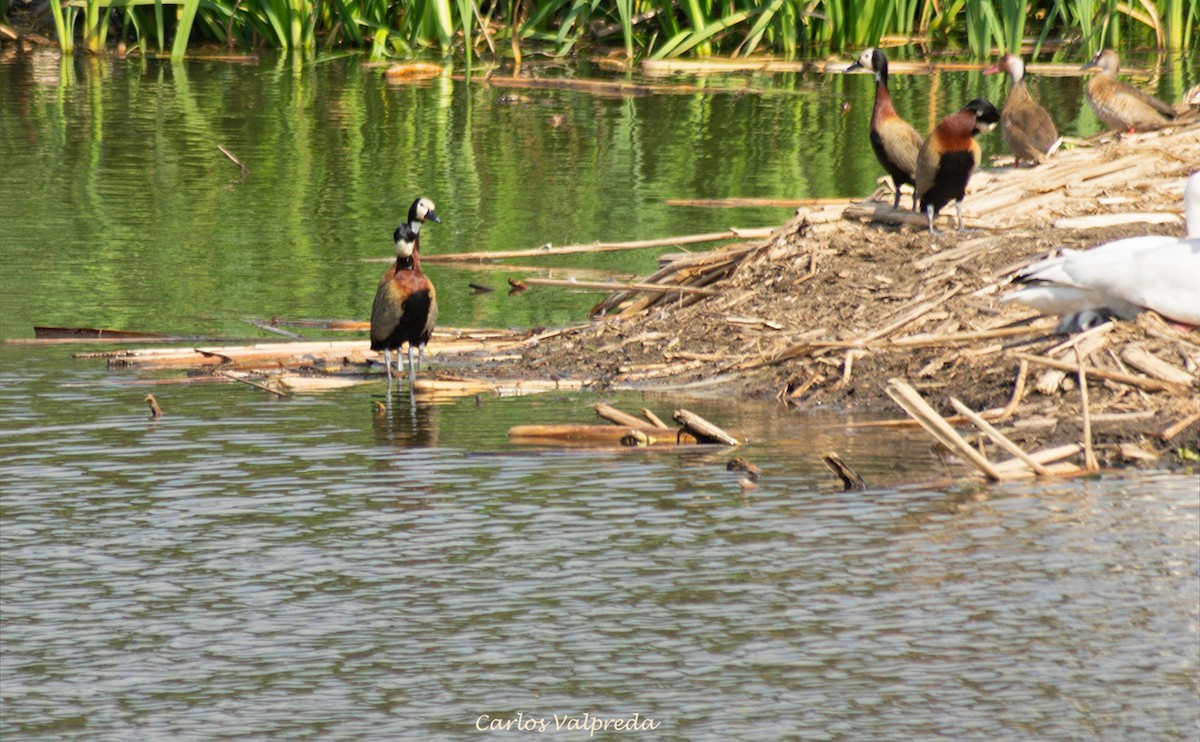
247,567
257,568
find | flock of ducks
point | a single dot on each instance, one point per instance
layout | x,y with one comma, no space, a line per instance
1119,279
1085,287
940,166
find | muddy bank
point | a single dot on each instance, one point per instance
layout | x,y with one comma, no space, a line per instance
841,299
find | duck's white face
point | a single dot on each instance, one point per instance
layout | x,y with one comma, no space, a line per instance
424,207
865,58
1108,62
1015,66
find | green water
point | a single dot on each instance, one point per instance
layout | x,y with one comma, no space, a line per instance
120,211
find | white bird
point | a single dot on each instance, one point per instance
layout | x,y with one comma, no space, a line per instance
1121,278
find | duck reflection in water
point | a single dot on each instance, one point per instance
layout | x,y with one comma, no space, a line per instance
406,423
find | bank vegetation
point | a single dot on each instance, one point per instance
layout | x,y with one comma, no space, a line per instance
654,29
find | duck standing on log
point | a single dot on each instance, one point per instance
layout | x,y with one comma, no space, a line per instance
894,140
1120,106
1027,129
949,155
405,308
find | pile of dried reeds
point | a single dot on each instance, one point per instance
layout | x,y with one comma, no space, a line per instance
825,299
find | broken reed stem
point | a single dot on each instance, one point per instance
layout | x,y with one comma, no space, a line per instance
956,337
1179,426
1089,456
1151,365
847,369
785,203
812,269
1045,456
617,417
613,286
850,478
1076,340
268,328
597,434
236,161
1018,392
254,384
1001,440
654,419
1121,378
731,234
919,409
703,429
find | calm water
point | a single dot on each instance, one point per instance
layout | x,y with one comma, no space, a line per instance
249,567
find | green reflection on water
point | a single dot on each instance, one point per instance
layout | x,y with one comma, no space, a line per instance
121,212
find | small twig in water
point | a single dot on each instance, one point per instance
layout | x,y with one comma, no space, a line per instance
236,161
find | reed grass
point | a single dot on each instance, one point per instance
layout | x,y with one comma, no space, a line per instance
651,28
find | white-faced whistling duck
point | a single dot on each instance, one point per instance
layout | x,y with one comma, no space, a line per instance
1027,129
405,309
1120,106
949,155
894,140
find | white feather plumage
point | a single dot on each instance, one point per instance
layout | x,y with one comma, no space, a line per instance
1121,278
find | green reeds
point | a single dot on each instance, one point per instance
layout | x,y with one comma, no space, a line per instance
648,28
995,25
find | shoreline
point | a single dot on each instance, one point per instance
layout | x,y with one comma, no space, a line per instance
842,299
840,307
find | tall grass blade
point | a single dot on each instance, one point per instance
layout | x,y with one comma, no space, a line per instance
466,21
65,31
183,29
158,25
712,29
625,16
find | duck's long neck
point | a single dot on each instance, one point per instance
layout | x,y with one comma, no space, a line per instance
883,96
412,261
415,258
